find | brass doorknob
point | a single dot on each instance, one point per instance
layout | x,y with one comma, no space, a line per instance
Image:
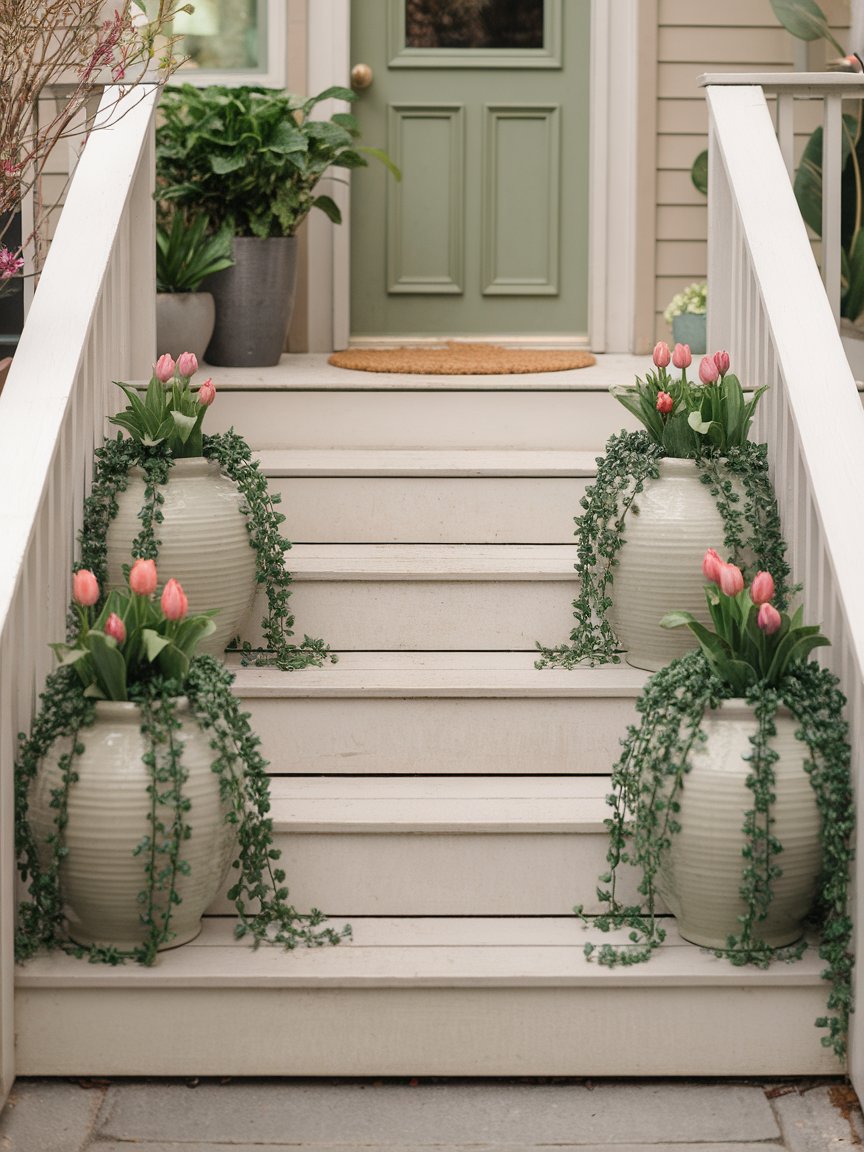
361,76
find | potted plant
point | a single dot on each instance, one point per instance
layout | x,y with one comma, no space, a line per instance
139,785
185,255
659,494
250,160
687,313
197,503
733,798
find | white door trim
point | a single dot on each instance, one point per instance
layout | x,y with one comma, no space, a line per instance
612,203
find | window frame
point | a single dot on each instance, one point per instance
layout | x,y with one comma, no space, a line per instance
273,75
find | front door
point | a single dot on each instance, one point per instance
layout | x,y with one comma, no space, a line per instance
483,104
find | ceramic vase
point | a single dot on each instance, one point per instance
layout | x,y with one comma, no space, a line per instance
691,328
108,816
184,322
701,873
203,543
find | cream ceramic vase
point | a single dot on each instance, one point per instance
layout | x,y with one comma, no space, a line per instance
667,531
108,810
701,873
204,543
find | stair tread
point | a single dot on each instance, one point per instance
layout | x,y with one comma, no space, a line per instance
436,562
431,952
461,805
426,462
438,674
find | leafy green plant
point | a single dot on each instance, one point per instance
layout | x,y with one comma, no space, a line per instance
250,158
170,413
186,254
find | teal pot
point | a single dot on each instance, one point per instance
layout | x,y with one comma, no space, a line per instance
184,322
691,328
254,303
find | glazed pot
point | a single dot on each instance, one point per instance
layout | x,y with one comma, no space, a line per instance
701,873
691,328
108,811
184,322
203,543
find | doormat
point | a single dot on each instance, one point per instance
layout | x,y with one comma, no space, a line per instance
458,359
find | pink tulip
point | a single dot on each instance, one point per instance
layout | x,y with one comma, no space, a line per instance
174,602
721,362
769,619
85,588
662,356
762,588
731,580
187,364
207,393
681,357
712,566
665,403
708,372
164,369
115,627
142,578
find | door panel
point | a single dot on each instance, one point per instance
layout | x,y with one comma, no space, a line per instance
483,104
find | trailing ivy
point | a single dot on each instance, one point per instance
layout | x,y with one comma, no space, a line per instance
752,533
647,781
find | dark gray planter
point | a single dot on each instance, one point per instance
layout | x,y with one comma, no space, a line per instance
254,302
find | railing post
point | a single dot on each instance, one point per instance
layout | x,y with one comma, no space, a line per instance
832,174
720,256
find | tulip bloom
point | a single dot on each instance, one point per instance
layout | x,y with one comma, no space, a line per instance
708,372
662,355
769,619
731,580
721,361
681,357
762,588
207,393
164,369
85,588
665,403
142,578
115,627
187,364
174,602
711,566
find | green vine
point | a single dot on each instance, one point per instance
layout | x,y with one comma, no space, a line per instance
258,893
751,529
645,802
111,476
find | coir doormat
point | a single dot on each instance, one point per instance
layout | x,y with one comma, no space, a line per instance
458,359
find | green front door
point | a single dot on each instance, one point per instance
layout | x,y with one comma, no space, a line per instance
483,104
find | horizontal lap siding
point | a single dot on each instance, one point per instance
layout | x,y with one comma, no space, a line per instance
736,36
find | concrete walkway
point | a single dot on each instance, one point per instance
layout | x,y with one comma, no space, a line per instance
448,1116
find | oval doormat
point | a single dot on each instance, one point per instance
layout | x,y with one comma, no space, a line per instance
458,359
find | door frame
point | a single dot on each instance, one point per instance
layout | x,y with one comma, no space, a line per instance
621,145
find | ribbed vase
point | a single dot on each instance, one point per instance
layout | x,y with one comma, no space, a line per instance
100,878
667,531
204,543
701,873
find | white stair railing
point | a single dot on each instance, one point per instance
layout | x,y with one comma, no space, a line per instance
92,321
767,305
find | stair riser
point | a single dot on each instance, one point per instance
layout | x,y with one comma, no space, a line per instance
441,736
393,615
429,420
414,510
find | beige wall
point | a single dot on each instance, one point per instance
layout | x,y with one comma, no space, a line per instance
696,36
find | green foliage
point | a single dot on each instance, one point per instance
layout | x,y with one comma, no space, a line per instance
186,254
647,781
171,414
751,526
805,20
64,715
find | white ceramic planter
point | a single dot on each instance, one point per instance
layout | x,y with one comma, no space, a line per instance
204,543
184,322
108,810
667,531
700,877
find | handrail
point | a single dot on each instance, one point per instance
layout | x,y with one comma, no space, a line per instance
92,320
767,305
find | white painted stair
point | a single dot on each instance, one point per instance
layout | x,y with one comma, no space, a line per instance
433,788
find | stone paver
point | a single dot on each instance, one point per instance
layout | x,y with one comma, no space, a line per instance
811,1122
48,1116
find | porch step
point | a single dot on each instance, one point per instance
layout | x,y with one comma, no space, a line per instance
421,997
470,597
440,713
428,497
442,846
